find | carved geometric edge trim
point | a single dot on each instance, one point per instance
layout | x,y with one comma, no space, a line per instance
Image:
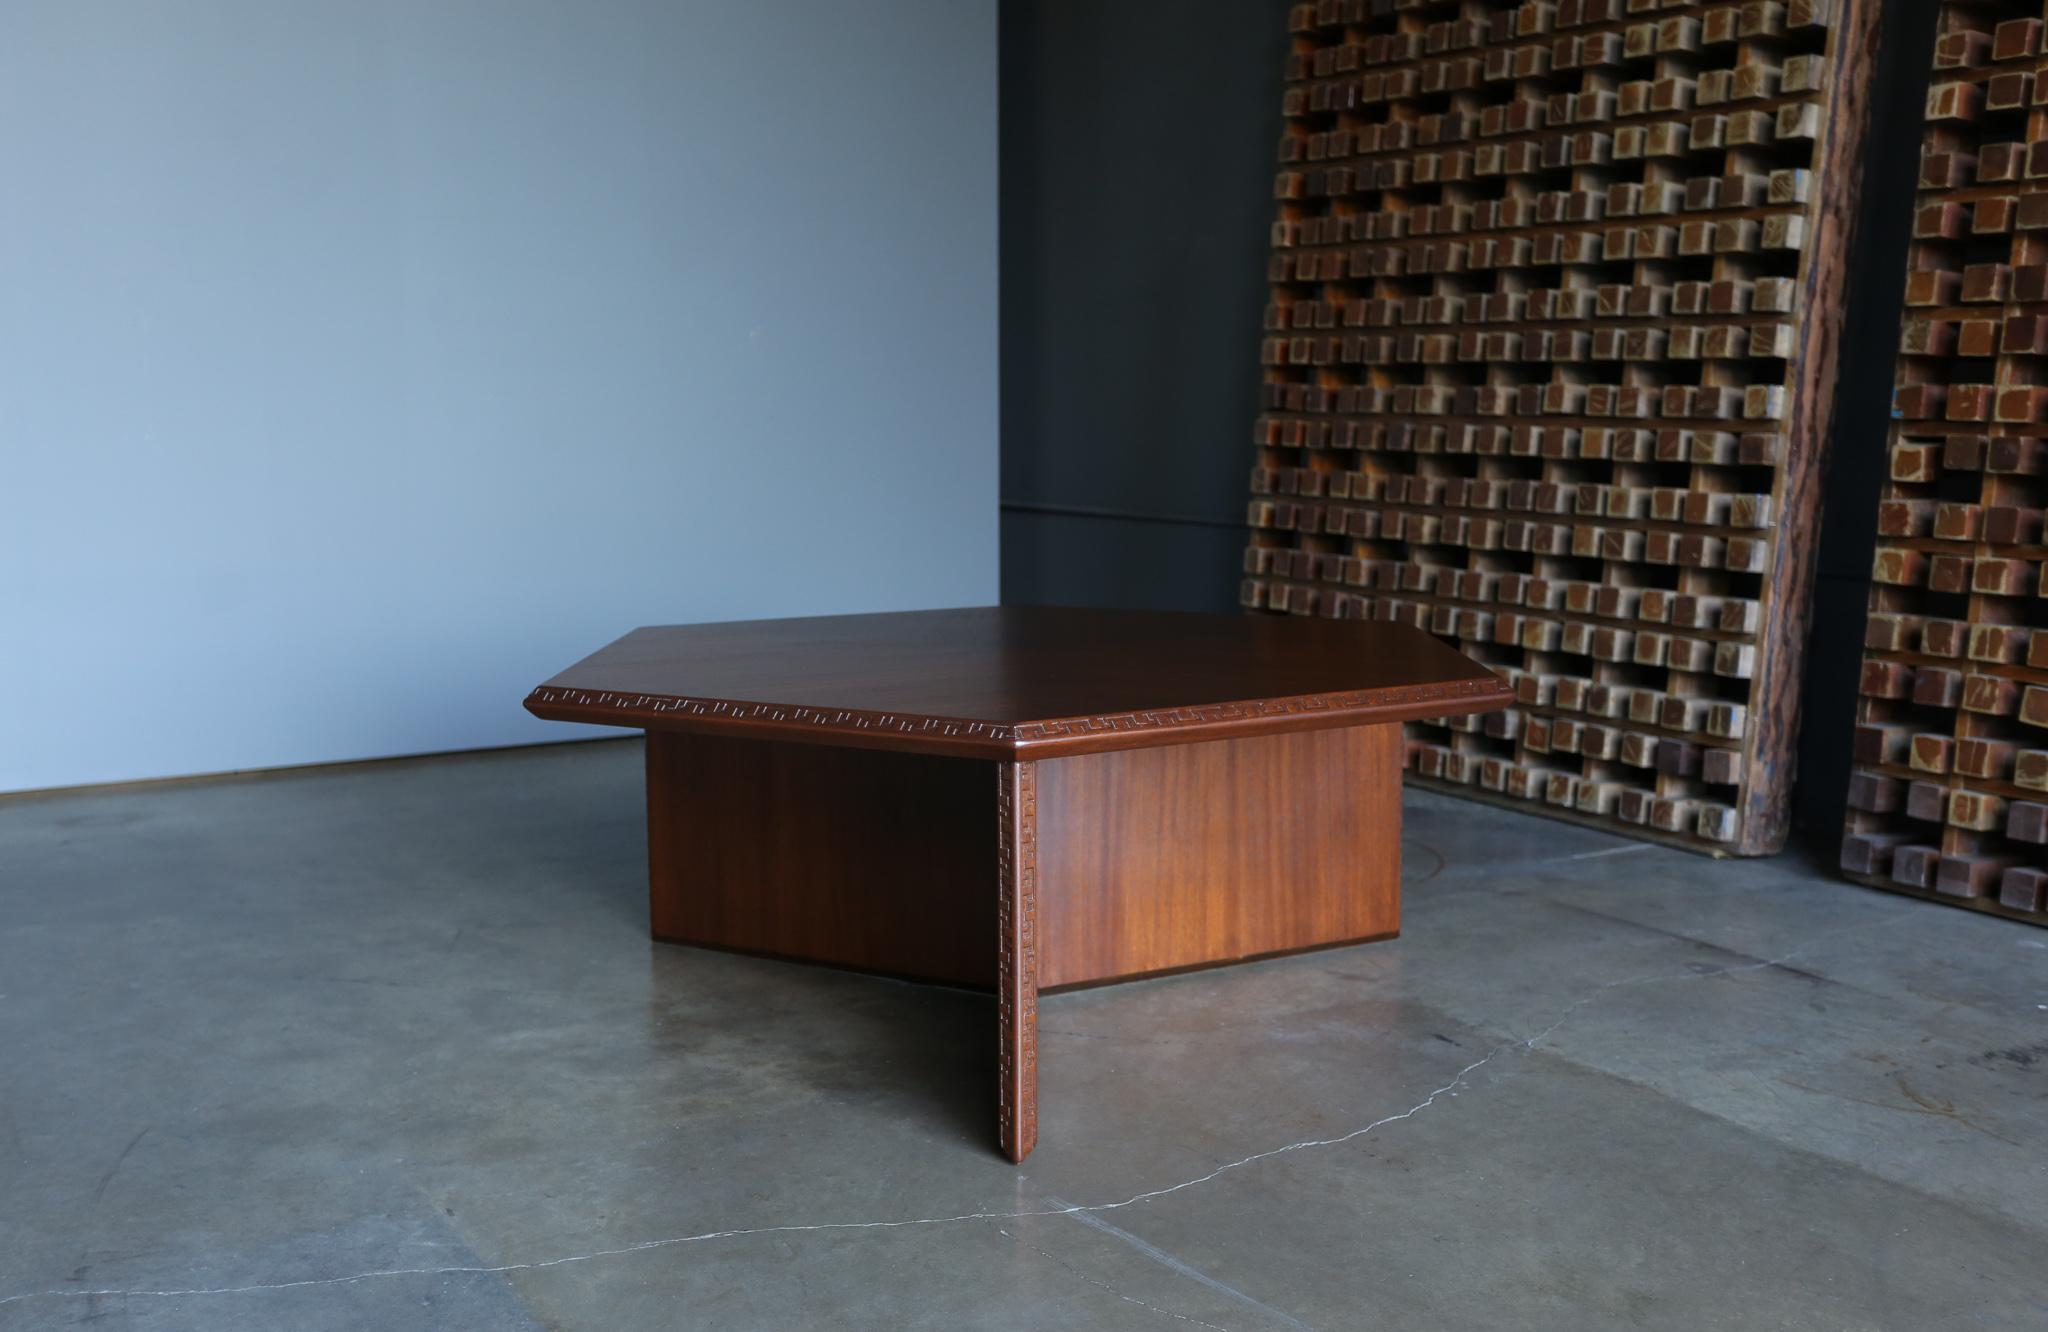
1017,958
832,719
854,720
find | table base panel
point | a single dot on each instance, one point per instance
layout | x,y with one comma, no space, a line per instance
1185,856
1012,876
854,858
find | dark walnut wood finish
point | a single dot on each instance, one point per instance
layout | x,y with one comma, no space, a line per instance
1014,682
843,856
1188,790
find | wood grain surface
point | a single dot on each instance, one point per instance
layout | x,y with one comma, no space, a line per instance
874,861
1163,859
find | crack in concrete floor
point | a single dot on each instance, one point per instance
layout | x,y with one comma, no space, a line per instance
646,1246
1178,1267
1094,1281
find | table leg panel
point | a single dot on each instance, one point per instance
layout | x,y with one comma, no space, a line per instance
1018,959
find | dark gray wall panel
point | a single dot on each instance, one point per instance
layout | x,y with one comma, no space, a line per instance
1137,178
1054,559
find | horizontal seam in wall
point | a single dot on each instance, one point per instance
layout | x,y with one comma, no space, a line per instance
1077,511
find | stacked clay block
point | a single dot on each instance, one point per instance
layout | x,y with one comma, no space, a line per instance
1949,795
1556,292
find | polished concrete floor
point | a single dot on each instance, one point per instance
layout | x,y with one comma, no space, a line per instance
387,1047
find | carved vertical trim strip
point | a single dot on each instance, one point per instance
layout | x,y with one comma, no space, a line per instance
1017,958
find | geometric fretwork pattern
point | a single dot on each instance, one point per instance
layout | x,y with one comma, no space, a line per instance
1549,364
1950,790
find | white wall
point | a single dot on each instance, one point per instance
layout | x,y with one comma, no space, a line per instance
362,364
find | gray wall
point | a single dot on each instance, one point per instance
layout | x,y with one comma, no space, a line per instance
1138,150
362,364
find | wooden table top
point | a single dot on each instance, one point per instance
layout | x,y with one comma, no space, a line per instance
1017,682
